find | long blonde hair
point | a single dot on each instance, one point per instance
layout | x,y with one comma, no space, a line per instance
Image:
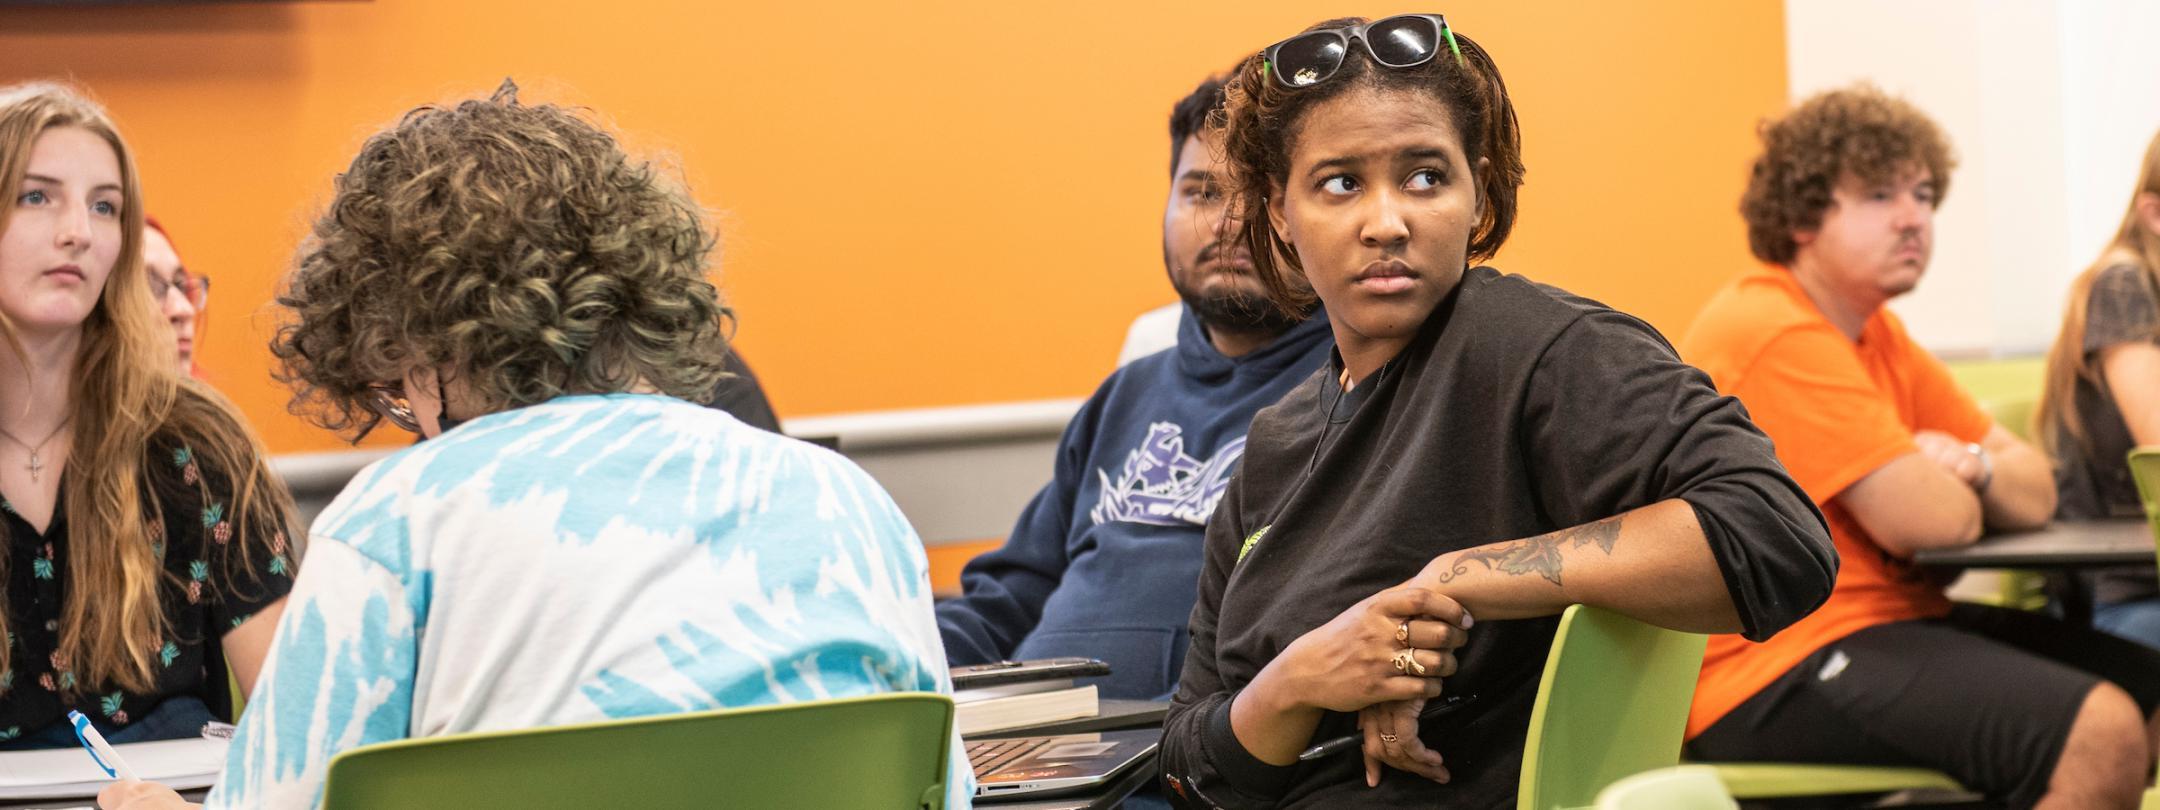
124,395
2133,244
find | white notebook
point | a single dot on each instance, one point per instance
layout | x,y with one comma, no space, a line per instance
58,773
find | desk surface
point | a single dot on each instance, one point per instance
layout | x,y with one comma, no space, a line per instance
1111,714
2066,544
72,804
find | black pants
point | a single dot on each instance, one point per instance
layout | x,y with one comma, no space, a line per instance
1986,695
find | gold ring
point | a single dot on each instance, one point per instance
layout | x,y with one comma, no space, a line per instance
1415,667
1402,632
1404,661
1387,738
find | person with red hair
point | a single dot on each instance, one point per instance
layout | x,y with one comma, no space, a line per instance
180,295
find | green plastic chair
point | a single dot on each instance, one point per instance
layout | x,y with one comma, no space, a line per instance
2017,589
874,753
2015,413
1777,780
239,698
2002,380
1613,703
2009,390
2145,470
1685,787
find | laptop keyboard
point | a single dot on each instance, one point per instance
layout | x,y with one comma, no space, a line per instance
990,755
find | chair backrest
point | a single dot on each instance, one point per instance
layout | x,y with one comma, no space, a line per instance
1613,703
2015,413
2145,470
2007,387
883,751
1154,331
1687,787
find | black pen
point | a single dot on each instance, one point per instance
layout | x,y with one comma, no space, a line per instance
1347,742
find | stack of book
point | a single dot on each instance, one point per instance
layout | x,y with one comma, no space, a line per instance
988,699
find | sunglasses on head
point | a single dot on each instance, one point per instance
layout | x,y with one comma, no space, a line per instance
1401,41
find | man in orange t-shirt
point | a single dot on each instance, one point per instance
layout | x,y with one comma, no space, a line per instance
2022,707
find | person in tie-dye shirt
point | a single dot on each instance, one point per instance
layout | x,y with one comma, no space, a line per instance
575,541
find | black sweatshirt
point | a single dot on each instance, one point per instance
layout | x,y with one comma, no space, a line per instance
1518,409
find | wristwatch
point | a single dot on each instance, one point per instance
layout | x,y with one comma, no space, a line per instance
1987,467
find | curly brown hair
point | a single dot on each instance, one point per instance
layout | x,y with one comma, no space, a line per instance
514,245
1258,126
1858,129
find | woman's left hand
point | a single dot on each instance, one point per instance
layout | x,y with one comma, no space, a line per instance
128,794
1391,740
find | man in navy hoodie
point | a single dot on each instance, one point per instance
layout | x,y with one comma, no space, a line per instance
1105,561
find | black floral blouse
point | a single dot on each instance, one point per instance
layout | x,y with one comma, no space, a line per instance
208,591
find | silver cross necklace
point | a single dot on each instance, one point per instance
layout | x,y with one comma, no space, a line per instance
36,465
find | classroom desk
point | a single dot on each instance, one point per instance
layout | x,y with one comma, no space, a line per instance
2060,550
70,804
1111,714
2062,545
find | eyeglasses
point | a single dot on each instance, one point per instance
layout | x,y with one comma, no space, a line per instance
1404,40
390,401
196,289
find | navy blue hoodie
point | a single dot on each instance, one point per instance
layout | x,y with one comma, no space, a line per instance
1105,561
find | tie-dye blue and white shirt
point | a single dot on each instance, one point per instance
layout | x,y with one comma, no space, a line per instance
590,558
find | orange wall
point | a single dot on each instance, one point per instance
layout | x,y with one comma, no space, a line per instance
923,203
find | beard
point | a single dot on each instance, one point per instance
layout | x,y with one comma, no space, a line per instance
1229,308
1238,311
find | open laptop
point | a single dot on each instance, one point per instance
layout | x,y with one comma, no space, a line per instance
1053,766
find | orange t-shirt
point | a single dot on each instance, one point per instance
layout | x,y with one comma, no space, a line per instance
1837,410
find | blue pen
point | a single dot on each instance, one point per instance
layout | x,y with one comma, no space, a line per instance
101,752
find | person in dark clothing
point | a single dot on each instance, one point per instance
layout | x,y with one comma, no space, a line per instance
149,547
2102,398
1104,561
1480,452
740,395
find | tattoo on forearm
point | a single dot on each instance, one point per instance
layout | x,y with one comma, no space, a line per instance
1538,555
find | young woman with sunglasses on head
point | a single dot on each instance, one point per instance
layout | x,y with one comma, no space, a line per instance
147,549
575,542
1482,452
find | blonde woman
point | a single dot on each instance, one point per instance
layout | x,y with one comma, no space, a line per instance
148,550
2103,396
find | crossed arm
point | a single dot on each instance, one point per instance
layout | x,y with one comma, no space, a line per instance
1652,563
1942,495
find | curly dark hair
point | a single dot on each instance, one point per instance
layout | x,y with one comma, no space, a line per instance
1858,129
514,245
1259,124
